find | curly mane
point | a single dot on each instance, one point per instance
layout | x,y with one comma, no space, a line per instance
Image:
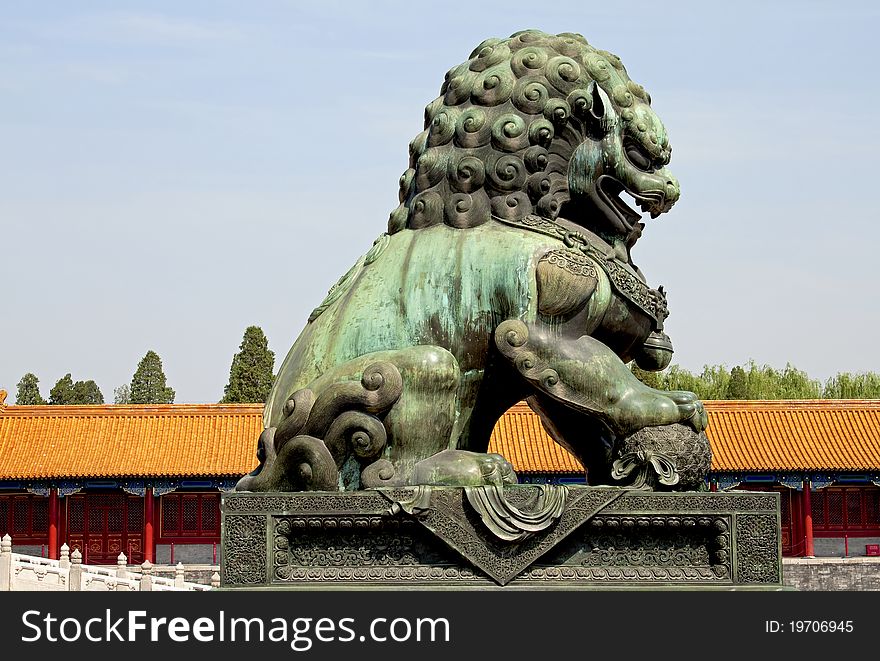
498,139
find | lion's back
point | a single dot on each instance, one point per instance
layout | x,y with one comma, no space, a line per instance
440,286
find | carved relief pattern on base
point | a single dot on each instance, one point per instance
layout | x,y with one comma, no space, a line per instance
244,550
648,548
699,502
358,548
462,529
604,536
757,541
353,501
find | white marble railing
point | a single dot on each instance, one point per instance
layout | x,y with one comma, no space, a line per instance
24,572
31,573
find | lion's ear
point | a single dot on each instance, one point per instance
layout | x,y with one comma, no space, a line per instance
600,109
597,105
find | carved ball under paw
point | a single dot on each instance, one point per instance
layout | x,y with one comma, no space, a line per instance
667,458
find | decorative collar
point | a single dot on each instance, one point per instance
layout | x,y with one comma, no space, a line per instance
650,301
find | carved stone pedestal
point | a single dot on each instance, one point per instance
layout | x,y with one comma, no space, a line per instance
518,537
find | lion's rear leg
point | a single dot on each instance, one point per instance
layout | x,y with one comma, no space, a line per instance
419,423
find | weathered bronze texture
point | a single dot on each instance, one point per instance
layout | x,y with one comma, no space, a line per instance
550,537
505,274
663,458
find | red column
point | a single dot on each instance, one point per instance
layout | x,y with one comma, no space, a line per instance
713,486
62,523
149,543
53,523
808,522
797,523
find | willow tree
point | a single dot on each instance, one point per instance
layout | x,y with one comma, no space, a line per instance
846,385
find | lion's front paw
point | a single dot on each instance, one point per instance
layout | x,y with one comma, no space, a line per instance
700,420
691,409
644,407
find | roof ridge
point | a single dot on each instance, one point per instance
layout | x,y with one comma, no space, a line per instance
817,404
72,410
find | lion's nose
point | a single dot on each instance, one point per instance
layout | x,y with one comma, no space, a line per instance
672,191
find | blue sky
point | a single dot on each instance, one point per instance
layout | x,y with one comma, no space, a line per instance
171,173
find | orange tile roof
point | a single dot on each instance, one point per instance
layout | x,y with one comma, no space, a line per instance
745,435
794,435
167,440
520,438
176,440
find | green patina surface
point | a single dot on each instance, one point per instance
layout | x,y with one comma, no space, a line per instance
506,273
438,287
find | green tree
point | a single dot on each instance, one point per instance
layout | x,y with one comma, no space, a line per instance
67,393
852,386
753,381
796,384
766,382
87,392
29,390
148,382
62,392
122,394
678,378
714,381
250,376
738,385
651,379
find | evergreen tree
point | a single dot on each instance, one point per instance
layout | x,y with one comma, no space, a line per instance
122,394
148,382
67,393
250,377
29,390
87,392
738,386
62,392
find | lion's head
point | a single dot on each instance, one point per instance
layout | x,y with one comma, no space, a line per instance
538,124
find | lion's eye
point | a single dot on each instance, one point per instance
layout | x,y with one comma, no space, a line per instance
638,158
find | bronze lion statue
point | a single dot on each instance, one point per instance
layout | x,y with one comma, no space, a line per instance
505,274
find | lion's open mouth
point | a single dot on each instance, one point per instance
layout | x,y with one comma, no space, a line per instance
609,190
